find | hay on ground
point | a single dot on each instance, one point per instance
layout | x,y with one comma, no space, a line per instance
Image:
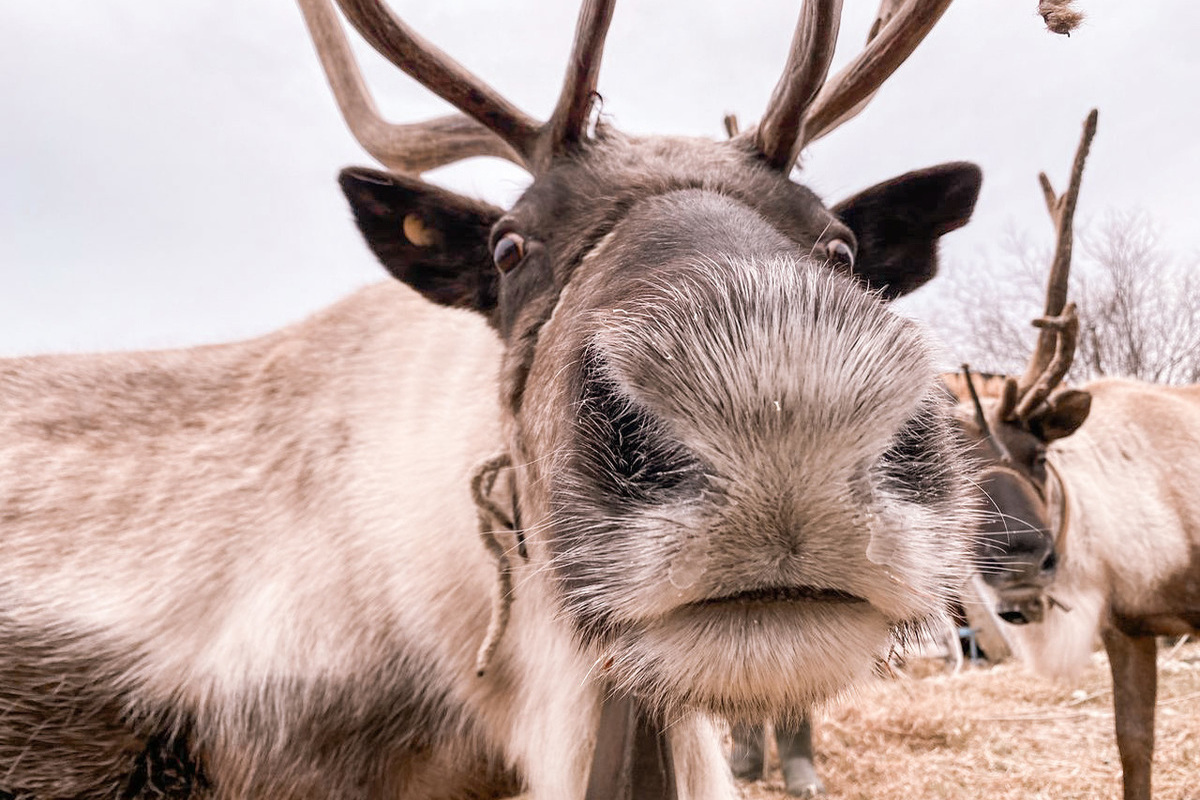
1001,733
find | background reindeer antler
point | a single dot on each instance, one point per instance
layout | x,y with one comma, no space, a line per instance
1059,323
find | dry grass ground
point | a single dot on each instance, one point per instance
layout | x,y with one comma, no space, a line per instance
1001,733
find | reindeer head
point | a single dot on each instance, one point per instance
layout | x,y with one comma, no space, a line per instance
734,473
1023,502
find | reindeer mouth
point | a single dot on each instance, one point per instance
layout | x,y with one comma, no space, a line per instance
784,594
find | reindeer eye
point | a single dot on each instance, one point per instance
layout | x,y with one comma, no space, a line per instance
840,253
509,251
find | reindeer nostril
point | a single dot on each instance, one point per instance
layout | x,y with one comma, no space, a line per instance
1014,617
1050,561
628,451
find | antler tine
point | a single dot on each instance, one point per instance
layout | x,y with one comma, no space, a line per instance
1008,400
887,10
1062,212
1049,194
441,74
569,121
1065,328
415,147
981,417
778,136
853,87
731,125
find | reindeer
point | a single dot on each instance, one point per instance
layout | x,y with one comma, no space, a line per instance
1095,529
645,449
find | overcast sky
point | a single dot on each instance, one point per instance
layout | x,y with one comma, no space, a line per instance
167,169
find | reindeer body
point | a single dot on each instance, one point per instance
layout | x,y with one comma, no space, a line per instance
1127,557
254,570
725,480
226,524
1131,548
313,631
1091,525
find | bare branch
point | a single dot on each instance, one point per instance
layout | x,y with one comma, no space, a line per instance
1138,304
778,136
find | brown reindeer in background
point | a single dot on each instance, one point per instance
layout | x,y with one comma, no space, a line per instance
710,469
1095,527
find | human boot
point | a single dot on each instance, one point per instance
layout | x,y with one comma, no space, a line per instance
746,759
796,757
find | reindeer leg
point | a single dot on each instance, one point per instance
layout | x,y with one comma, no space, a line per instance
747,757
1135,679
796,756
633,758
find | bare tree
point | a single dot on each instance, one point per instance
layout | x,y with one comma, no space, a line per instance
1138,304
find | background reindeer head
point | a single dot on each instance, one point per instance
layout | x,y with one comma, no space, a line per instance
1023,501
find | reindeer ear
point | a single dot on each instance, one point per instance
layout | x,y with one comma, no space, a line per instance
431,239
1061,414
898,222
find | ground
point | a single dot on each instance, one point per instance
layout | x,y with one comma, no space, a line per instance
1001,733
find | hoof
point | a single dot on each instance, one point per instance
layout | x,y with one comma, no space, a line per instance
801,779
746,767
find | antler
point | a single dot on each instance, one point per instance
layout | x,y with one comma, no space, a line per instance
1065,329
493,126
569,121
887,10
415,147
981,418
899,27
1045,368
804,106
777,136
731,125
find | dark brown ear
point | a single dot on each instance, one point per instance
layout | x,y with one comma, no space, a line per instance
1061,414
898,223
431,239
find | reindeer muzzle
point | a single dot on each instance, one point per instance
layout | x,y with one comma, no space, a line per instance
1022,608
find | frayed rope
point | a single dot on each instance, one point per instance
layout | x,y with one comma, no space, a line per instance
490,516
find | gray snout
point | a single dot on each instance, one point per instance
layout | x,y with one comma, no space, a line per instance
1021,608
